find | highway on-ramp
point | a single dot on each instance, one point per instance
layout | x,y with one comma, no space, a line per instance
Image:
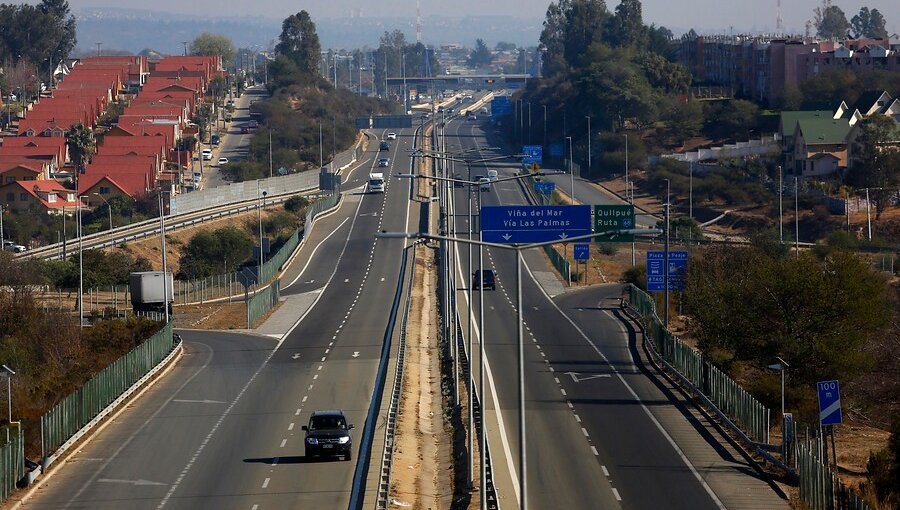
222,429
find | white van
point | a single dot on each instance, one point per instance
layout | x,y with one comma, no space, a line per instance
492,175
376,182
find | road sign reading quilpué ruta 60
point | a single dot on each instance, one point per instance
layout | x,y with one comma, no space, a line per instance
614,217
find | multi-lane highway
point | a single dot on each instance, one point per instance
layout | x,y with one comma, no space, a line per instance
223,428
603,431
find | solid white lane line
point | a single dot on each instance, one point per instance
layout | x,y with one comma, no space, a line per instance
605,471
616,494
314,252
585,432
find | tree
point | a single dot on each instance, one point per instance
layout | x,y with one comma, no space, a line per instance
737,117
505,46
626,27
214,44
300,42
220,251
753,304
659,41
584,26
830,21
481,56
553,37
868,24
82,144
684,119
791,97
878,166
662,74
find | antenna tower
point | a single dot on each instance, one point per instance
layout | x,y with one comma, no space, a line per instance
779,21
418,22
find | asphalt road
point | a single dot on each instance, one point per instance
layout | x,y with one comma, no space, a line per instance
222,430
234,145
596,434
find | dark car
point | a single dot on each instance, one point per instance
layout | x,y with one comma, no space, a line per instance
384,146
486,277
328,435
245,129
457,181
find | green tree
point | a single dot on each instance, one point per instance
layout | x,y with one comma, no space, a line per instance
830,21
553,37
659,41
214,44
684,119
481,56
737,118
791,97
505,46
755,304
82,144
662,74
626,27
584,26
868,24
300,42
218,252
878,165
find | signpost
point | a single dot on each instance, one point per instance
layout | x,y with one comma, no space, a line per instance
533,154
829,402
545,187
522,224
614,217
500,106
582,251
656,270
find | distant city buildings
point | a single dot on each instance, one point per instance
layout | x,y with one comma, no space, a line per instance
760,68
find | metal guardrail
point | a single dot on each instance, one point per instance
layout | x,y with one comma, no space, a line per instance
382,501
63,424
12,459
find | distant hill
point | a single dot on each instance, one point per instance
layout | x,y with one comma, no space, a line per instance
134,29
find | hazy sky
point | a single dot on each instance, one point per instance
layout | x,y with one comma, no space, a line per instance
743,15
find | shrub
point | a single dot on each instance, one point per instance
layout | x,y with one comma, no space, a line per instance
296,204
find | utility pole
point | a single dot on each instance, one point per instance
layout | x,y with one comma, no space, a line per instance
545,126
666,270
184,43
270,153
321,154
98,48
797,215
780,207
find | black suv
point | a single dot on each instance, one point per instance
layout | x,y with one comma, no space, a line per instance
488,279
384,146
328,435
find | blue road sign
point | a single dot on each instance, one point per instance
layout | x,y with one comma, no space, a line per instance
521,224
500,106
656,270
582,251
829,402
545,187
557,150
533,154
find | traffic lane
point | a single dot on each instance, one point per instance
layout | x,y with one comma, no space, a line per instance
581,482
129,463
652,457
563,350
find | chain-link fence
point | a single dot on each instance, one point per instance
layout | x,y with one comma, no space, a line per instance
12,459
77,409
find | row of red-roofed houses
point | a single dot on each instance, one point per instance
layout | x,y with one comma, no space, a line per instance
131,156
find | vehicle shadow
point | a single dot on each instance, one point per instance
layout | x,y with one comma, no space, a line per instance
295,459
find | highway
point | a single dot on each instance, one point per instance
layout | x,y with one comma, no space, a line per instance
602,430
222,429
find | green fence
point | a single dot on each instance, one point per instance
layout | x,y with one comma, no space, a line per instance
77,409
12,459
559,262
745,411
260,303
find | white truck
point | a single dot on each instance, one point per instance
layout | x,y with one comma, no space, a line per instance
147,291
376,182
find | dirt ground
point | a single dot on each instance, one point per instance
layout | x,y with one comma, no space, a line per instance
422,473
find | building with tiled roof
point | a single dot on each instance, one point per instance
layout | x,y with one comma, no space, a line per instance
44,195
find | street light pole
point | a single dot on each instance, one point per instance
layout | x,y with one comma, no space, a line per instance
667,254
571,169
165,268
545,126
780,207
80,265
588,117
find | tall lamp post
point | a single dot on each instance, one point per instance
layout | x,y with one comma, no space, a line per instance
261,200
571,168
108,208
781,366
78,229
588,117
162,238
518,248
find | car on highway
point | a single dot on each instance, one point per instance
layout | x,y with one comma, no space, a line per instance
223,161
206,154
392,136
473,117
215,139
484,184
253,124
485,277
328,435
492,175
13,247
245,129
384,146
383,162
